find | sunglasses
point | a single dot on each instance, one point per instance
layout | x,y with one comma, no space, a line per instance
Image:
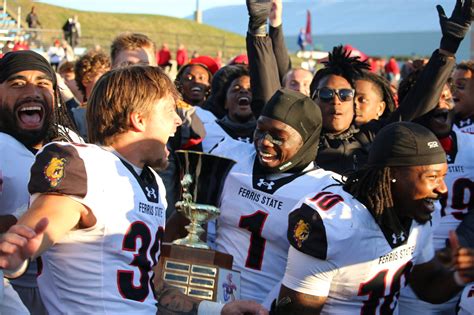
326,94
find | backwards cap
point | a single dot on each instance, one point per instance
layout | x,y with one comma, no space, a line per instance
24,60
405,144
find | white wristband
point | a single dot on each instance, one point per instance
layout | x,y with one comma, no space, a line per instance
210,308
13,274
458,280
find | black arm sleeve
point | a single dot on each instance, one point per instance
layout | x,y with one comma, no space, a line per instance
264,78
280,51
424,96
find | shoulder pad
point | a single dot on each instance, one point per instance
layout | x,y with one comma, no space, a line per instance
58,168
306,232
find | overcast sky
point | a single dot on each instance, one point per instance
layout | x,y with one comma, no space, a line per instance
176,8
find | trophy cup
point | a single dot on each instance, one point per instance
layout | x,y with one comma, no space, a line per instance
188,263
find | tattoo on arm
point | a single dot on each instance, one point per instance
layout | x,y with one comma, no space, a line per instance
171,301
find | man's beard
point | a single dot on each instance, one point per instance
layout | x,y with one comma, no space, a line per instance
29,138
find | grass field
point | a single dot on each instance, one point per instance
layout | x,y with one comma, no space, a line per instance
101,28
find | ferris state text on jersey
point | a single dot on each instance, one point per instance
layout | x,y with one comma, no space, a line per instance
254,217
460,183
102,268
260,198
338,250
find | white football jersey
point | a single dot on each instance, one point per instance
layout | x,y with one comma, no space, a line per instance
339,251
107,268
15,164
254,218
454,205
466,303
214,135
205,115
465,125
460,183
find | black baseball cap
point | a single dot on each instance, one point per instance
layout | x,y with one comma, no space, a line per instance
405,144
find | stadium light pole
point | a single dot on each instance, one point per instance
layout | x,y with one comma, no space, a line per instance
198,13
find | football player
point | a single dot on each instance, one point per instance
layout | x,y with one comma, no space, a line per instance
265,184
463,93
354,246
91,203
456,203
30,116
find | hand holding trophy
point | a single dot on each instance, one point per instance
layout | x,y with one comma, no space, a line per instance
188,263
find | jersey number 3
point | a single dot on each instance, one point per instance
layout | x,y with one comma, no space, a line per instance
126,287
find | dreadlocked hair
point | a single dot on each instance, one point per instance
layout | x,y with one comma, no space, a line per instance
372,187
382,85
340,63
61,125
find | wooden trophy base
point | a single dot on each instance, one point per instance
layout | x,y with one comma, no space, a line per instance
201,273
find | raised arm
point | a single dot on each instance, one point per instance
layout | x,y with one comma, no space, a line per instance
278,40
264,75
424,96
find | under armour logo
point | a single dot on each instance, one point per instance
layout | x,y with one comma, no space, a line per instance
262,182
466,122
245,139
150,192
397,238
433,144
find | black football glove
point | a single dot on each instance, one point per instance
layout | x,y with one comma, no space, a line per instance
258,10
457,26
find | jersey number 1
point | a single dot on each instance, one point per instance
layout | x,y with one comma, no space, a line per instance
375,289
254,223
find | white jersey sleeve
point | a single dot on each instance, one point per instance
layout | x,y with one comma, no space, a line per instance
307,274
466,304
338,250
15,164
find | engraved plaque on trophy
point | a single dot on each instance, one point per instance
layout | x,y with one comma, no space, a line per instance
188,263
